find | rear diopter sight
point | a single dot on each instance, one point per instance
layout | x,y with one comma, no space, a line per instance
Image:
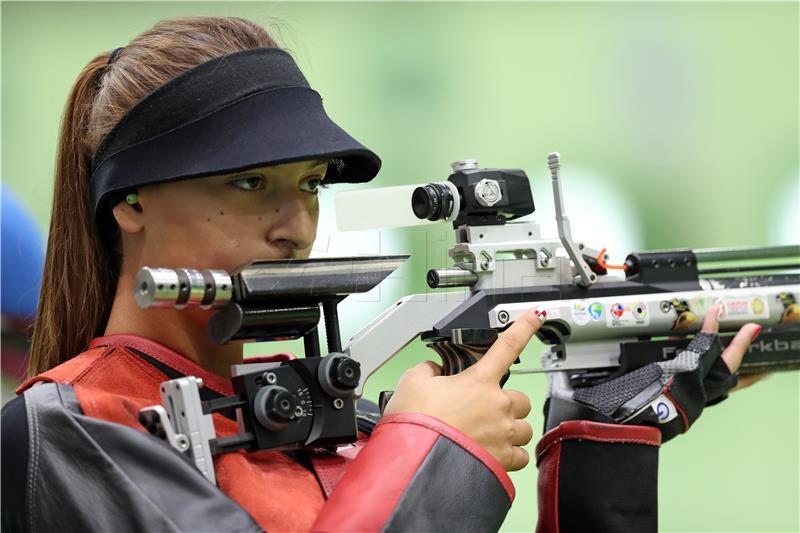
433,201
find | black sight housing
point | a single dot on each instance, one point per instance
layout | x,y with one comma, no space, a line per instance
486,197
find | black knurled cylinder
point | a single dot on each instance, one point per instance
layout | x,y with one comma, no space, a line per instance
331,315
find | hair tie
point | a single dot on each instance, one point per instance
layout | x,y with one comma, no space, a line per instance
115,54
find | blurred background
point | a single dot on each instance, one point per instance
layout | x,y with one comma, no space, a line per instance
677,124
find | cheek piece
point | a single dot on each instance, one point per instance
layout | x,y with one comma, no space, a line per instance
247,109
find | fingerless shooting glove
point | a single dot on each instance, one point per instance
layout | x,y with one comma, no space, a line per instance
598,460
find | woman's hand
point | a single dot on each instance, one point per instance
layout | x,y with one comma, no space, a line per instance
472,401
749,379
737,348
734,353
668,394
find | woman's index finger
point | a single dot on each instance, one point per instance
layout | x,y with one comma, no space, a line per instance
505,350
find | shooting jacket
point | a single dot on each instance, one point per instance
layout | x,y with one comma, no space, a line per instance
88,465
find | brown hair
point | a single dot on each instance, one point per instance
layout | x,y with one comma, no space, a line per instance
82,269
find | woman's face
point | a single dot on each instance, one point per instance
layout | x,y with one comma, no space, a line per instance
229,220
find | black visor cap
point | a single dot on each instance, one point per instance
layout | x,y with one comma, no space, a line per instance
249,109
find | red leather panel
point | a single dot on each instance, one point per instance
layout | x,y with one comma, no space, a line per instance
68,371
171,358
597,431
330,466
383,470
459,438
547,489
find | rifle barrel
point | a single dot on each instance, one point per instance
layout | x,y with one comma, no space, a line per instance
752,268
746,253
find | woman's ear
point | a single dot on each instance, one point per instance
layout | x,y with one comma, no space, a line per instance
128,214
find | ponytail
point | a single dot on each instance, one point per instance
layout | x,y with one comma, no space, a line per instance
80,273
82,266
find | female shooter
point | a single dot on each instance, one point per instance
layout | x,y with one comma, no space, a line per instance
200,144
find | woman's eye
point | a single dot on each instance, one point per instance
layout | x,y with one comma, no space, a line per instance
313,185
251,183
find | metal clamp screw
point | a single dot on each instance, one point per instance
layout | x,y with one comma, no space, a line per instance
544,257
486,259
338,403
270,377
183,442
487,192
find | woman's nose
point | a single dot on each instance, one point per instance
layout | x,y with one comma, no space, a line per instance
295,222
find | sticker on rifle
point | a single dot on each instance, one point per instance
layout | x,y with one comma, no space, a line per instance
791,309
580,313
596,311
664,408
553,312
744,308
627,315
685,318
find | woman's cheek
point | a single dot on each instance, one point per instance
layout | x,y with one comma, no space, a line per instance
242,244
206,245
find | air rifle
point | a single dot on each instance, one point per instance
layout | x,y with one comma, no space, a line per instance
598,325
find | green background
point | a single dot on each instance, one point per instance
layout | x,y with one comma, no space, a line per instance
677,125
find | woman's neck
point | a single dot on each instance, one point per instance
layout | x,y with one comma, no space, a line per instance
186,332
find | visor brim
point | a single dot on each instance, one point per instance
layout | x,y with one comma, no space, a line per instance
272,127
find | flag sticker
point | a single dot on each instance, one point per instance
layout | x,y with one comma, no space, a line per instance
622,315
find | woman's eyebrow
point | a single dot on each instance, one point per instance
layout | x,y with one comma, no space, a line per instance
317,163
256,170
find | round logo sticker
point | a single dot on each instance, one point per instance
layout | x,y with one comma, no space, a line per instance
758,305
580,314
596,311
662,410
639,310
617,310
